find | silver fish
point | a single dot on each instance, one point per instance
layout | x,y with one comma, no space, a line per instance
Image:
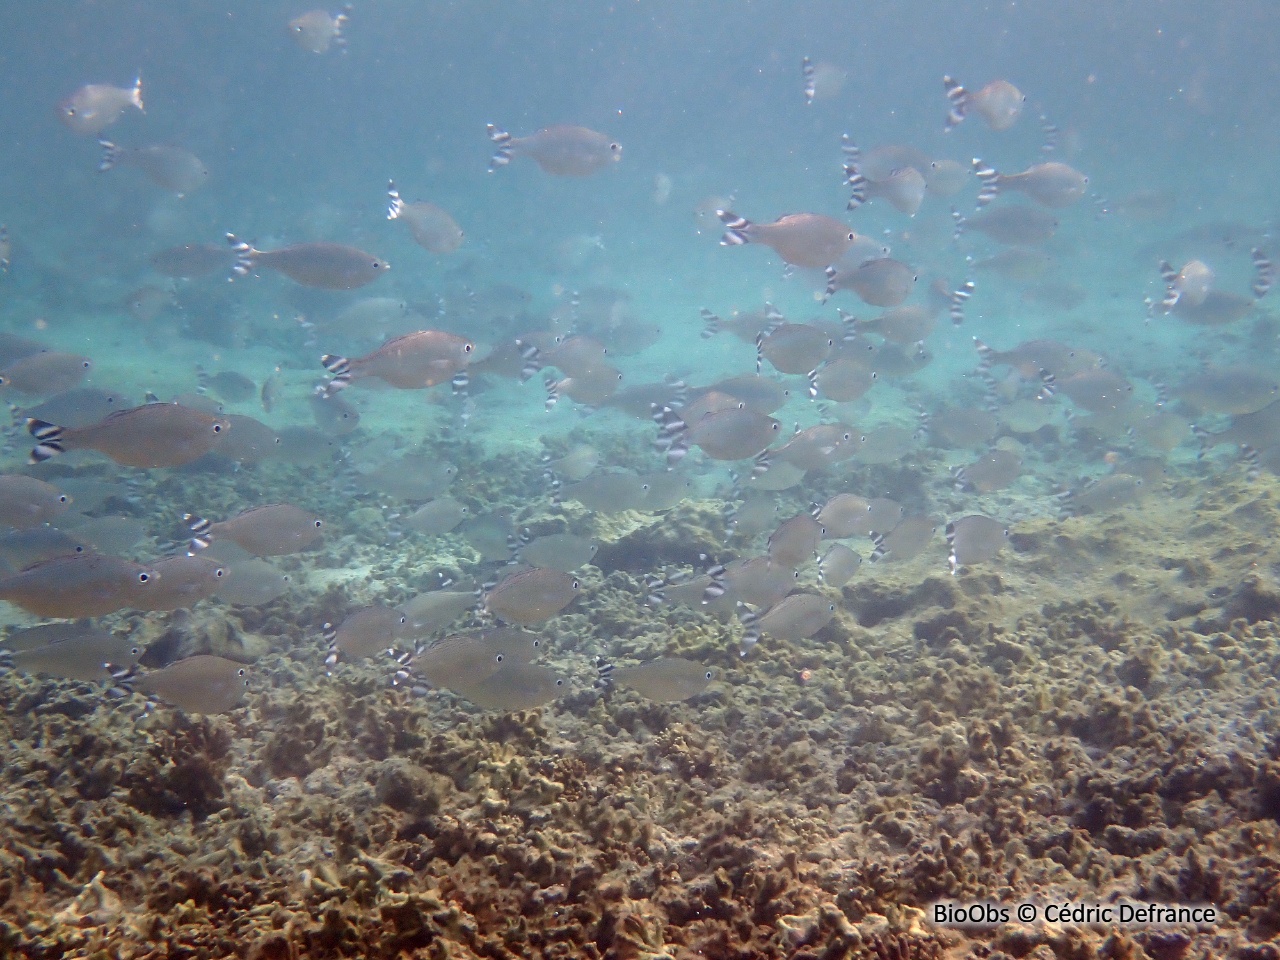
811,240
317,30
999,103
882,282
838,565
72,651
199,684
974,539
77,585
329,266
273,530
173,168
531,596
995,470
794,617
432,228
795,541
907,539
26,502
1051,184
96,106
410,362
251,582
367,631
565,552
181,582
665,680
47,372
437,517
564,151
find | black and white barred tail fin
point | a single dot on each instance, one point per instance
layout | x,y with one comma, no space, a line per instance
959,298
110,156
711,324
395,205
958,98
530,360
245,255
502,147
735,229
1171,292
671,440
988,182
48,440
1264,273
809,74
201,535
340,367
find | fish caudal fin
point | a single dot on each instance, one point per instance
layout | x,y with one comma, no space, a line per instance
751,635
502,141
554,387
989,181
110,156
135,95
340,367
395,206
530,358
711,324
735,229
959,298
1264,273
1171,292
857,185
809,74
49,437
958,98
245,255
957,218
672,435
830,290
201,533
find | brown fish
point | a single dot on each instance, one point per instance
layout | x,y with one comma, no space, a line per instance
792,618
411,362
564,151
974,539
993,471
329,266
71,651
26,502
153,435
96,106
795,541
170,167
77,585
317,30
199,684
47,372
432,228
999,103
274,530
793,347
248,441
804,239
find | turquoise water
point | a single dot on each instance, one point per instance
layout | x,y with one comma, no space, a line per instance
1167,108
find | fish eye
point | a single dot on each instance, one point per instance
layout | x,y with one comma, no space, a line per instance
468,348
615,147
708,674
217,428
536,644
219,572
71,111
319,524
559,683
776,426
499,658
64,499
241,672
144,577
851,235
575,585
